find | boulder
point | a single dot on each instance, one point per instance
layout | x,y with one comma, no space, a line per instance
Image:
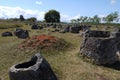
115,34
75,29
34,26
54,26
20,33
4,34
40,27
85,27
60,26
116,29
35,69
67,29
100,50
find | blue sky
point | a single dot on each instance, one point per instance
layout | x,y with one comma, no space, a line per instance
68,9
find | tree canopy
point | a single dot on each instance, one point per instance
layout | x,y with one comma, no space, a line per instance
32,19
52,16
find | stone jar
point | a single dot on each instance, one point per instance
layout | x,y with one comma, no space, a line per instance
101,50
35,69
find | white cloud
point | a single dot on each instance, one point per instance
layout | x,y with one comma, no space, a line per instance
101,15
38,2
113,2
65,17
15,12
76,17
68,18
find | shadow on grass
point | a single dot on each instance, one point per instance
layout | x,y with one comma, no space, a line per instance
115,66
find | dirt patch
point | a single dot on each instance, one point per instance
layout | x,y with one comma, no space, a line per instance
43,42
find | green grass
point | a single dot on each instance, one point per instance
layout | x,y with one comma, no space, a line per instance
67,65
10,24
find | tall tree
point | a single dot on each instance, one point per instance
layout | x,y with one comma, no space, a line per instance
96,19
116,16
52,16
112,17
84,19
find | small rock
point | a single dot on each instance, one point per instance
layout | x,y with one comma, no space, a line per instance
4,34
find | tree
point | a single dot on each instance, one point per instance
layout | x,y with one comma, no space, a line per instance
21,18
96,19
112,17
32,19
89,20
52,16
73,21
116,16
84,20
78,20
81,19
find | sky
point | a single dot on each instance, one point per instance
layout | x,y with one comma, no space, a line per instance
69,9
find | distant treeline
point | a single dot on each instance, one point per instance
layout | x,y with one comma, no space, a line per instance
110,18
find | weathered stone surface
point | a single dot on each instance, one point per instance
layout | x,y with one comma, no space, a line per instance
100,50
116,29
54,26
20,33
105,28
95,33
115,34
35,69
85,27
67,29
4,34
76,29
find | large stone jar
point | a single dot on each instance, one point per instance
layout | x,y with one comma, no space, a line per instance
101,50
35,69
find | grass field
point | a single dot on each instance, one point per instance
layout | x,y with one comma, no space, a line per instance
67,65
10,24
